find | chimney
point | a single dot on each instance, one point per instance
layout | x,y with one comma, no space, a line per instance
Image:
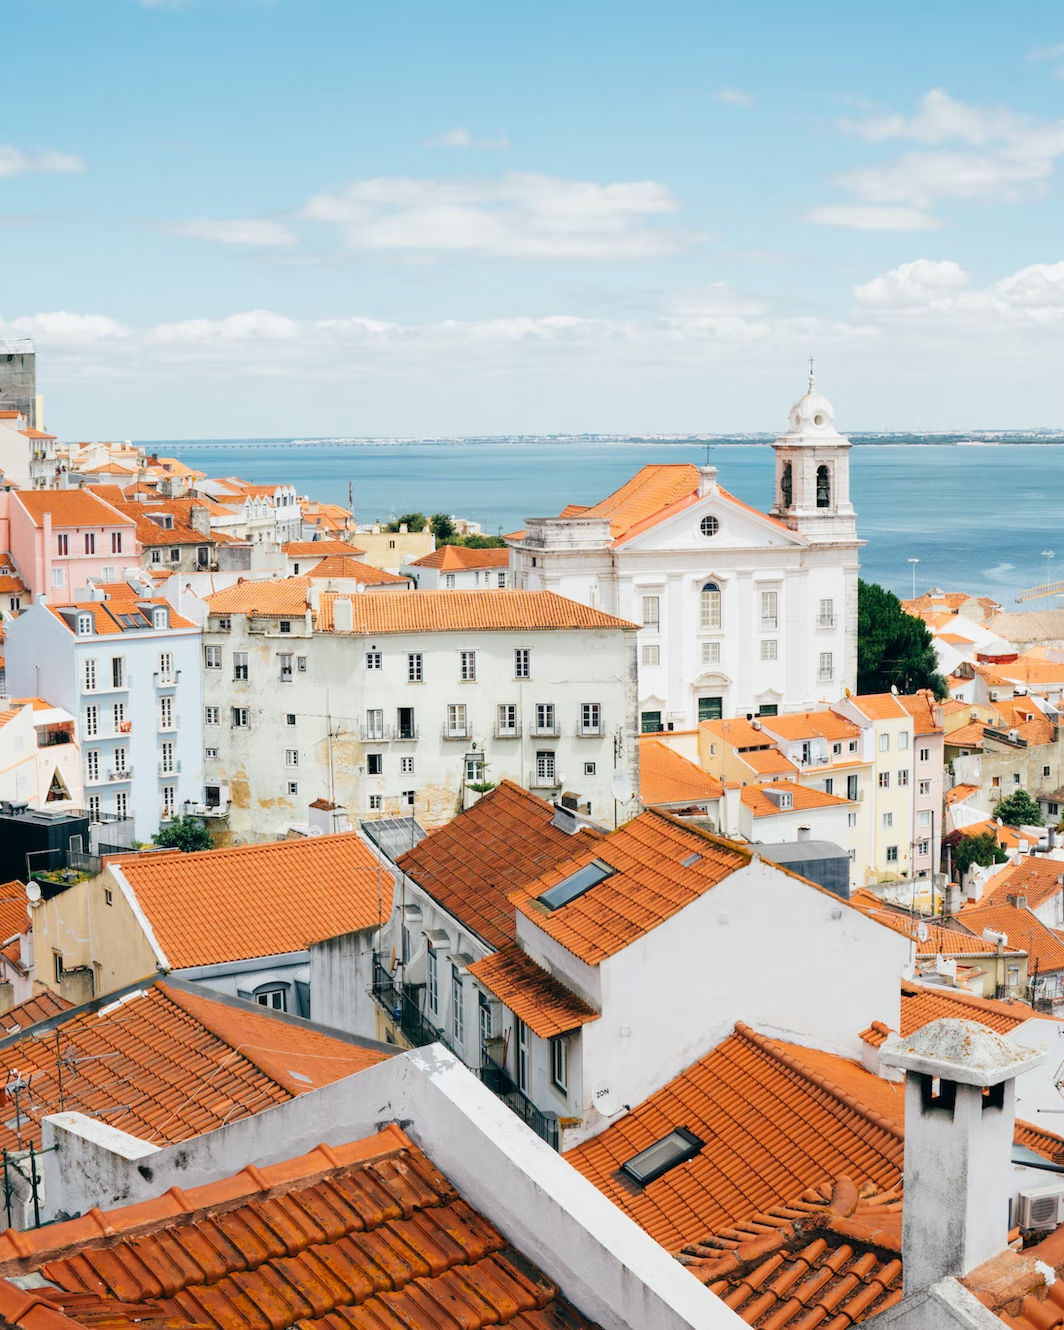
707,481
958,1145
1020,902
805,833
343,615
730,806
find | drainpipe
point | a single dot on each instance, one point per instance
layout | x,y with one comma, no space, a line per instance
46,554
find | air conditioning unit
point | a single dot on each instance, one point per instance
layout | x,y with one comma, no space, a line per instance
1041,1207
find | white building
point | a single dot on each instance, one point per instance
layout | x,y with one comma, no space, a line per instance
741,611
456,568
40,758
399,703
130,672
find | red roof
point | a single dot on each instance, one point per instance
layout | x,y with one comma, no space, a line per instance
461,558
545,1004
70,508
471,864
367,1236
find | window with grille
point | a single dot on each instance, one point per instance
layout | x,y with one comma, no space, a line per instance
414,667
118,672
506,720
166,759
523,663
545,768
291,757
90,542
92,764
770,609
710,653
457,1008
892,854
240,718
406,766
456,719
169,802
652,654
94,807
212,658
373,660
545,717
212,715
903,776
709,606
116,542
166,713
91,726
826,614
884,780
376,802
448,581
122,804
769,648
651,611
166,667
590,718
62,545
826,668
118,717
467,666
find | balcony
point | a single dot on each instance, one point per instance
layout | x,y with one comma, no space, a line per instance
170,768
402,1004
545,1125
545,781
125,774
590,732
825,621
507,731
457,732
167,680
49,738
551,731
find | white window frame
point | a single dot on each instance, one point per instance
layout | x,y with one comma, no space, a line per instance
770,611
769,649
591,718
652,613
415,667
709,607
467,666
522,662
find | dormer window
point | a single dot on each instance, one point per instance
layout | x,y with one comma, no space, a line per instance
786,800
159,617
84,625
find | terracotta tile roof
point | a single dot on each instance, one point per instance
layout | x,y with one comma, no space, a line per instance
1034,877
285,597
14,910
1032,668
533,994
106,613
773,1124
879,706
920,1005
831,1256
939,941
471,864
651,489
257,900
768,762
112,494
34,1009
968,736
803,798
165,1064
739,733
458,557
960,793
954,640
812,725
1023,929
650,884
921,706
335,565
471,611
666,777
70,508
10,585
311,548
363,1235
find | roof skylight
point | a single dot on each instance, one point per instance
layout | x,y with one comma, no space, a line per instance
690,861
576,884
676,1148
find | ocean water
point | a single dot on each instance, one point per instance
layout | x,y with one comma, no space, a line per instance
977,518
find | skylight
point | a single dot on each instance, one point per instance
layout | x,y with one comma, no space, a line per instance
690,861
576,884
676,1148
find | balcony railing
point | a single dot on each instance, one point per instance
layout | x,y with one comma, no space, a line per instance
401,1002
825,621
170,768
551,731
542,781
456,732
589,732
125,774
507,731
545,1125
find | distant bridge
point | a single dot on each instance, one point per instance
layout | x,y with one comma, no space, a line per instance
1039,592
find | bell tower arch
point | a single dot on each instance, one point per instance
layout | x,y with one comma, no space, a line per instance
813,473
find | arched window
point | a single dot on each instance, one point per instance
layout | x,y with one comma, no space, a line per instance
823,487
786,485
710,605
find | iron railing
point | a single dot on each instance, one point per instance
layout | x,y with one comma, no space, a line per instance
402,1004
545,1125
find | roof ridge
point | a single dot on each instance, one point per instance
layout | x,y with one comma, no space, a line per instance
181,1000
769,1046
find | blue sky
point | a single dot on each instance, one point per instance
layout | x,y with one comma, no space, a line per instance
247,217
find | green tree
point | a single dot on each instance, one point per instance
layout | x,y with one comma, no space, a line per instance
185,834
893,648
442,528
412,522
982,850
475,542
1019,810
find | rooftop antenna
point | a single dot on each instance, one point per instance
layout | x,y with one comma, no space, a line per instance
810,373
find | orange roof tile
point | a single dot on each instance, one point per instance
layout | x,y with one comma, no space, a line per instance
768,762
234,904
666,777
310,548
921,706
106,613
740,733
545,1004
803,798
14,908
37,1008
461,557
879,706
775,1118
1034,877
960,793
651,489
830,1256
921,1005
335,565
112,494
812,725
285,597
471,864
165,1064
939,941
1023,929
471,611
651,883
70,508
968,736
364,1234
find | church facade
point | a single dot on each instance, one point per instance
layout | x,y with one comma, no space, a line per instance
740,612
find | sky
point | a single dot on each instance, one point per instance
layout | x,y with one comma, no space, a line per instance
244,218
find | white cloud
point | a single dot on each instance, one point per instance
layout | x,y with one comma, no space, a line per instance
62,328
13,161
736,97
967,153
865,217
235,232
462,138
1032,297
520,216
252,325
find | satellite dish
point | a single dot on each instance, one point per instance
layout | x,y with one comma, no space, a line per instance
922,933
603,1098
314,831
621,786
33,893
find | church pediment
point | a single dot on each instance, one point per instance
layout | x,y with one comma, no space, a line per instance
710,523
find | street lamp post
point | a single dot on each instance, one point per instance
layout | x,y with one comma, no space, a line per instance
914,562
1047,555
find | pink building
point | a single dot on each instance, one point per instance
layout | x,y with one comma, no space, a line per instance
61,538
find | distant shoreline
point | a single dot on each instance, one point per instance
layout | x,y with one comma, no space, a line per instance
568,440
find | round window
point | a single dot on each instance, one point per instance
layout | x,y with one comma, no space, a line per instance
710,526
818,420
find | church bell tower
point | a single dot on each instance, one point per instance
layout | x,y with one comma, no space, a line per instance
813,474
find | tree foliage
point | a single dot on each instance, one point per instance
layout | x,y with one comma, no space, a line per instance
412,522
1019,810
893,648
185,834
982,849
442,528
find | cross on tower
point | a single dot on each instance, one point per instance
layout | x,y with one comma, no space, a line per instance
810,371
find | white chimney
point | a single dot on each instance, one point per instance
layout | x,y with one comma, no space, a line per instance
707,480
730,805
958,1145
805,833
343,615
